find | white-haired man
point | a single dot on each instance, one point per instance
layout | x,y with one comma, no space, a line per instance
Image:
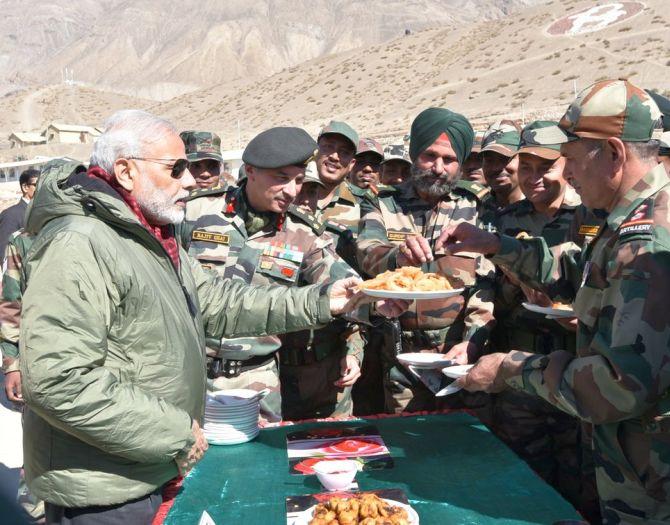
113,328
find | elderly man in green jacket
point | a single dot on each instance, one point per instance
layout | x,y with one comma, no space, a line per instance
113,327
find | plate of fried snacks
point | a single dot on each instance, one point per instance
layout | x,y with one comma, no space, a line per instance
555,310
362,509
409,282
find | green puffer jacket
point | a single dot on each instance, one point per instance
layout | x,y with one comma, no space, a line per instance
112,344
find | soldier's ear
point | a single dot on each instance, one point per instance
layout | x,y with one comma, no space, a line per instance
617,153
125,172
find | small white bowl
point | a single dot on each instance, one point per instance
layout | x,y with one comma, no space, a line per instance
336,474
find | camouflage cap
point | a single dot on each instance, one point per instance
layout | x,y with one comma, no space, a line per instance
612,108
370,145
664,150
312,175
388,157
336,127
477,144
663,104
201,145
541,138
279,147
502,137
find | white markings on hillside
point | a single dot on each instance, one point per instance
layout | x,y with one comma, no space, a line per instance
594,18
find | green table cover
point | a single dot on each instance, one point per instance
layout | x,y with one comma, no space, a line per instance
452,468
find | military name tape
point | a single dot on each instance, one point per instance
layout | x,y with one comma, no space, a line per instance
218,238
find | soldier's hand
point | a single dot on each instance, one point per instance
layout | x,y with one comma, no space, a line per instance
391,308
484,376
569,323
465,237
13,386
414,251
345,296
186,460
350,370
463,353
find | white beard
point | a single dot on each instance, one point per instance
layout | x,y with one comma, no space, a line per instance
159,208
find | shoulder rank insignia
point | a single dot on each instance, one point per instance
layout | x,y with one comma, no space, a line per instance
474,188
307,217
206,192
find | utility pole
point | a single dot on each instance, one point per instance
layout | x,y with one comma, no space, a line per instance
574,86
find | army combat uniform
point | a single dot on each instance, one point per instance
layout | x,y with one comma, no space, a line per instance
546,438
619,379
223,233
13,285
429,325
310,360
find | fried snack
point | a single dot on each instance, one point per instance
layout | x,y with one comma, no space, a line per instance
363,509
561,306
407,279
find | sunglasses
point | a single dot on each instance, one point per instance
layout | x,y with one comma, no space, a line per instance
177,166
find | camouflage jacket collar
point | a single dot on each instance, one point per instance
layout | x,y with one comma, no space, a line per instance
344,193
649,185
570,202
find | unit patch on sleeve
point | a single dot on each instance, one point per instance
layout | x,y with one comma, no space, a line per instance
643,226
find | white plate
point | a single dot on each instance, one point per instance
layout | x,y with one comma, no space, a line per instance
229,421
231,413
231,435
228,428
546,310
447,390
417,296
456,371
234,397
424,359
304,517
233,441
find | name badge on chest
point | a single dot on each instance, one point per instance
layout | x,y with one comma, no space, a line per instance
217,238
397,236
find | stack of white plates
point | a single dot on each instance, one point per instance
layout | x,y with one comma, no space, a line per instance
231,416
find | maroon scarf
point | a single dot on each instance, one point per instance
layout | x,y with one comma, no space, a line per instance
163,234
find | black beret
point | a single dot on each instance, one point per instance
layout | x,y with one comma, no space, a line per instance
278,147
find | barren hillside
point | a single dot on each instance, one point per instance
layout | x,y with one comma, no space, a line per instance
509,67
525,65
162,48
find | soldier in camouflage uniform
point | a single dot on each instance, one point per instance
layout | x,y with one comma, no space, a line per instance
395,168
546,438
253,233
337,208
13,281
620,378
399,227
500,166
472,167
367,164
203,151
